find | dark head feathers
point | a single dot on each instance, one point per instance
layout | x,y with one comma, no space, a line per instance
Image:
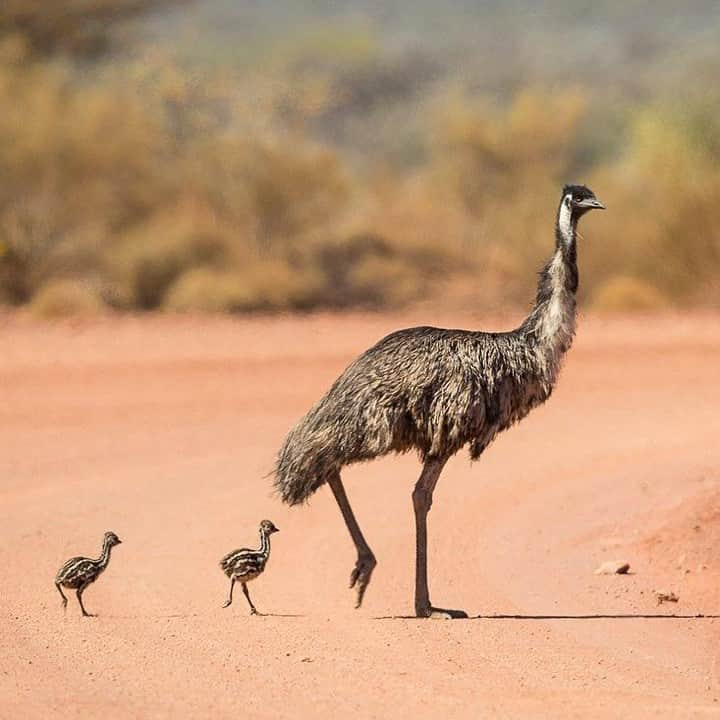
579,192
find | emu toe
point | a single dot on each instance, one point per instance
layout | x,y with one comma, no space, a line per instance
436,613
361,574
445,614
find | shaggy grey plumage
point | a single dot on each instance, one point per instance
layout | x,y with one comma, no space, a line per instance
435,391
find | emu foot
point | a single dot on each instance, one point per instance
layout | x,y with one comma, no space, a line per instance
227,603
87,614
440,613
361,574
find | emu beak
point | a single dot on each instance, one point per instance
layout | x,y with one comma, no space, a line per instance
591,204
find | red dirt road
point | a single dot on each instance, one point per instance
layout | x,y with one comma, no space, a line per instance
162,429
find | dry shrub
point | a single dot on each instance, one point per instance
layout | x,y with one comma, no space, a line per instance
170,193
488,155
150,258
66,298
622,293
339,261
505,167
378,282
139,190
663,197
292,187
82,28
207,290
82,165
265,286
416,237
681,170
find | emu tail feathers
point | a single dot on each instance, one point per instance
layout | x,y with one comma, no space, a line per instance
301,466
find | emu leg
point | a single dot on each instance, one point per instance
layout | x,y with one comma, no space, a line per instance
253,609
229,600
422,502
362,572
80,591
62,595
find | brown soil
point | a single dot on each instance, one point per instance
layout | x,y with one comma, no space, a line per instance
164,429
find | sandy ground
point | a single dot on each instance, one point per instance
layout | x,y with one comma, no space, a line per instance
164,429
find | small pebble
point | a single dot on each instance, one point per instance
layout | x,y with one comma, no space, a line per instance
662,597
613,567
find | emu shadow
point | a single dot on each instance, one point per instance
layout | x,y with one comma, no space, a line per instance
600,616
279,615
597,616
186,616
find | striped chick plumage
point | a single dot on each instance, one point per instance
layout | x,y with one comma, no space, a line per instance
244,565
79,572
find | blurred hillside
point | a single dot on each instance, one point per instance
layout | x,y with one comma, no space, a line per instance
381,57
232,155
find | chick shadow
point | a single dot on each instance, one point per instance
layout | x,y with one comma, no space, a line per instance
187,616
280,615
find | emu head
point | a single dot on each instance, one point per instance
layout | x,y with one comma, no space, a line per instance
267,527
575,202
112,539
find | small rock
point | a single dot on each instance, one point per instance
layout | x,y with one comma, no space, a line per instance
613,567
662,597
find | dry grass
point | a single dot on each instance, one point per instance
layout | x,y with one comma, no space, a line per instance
66,298
622,293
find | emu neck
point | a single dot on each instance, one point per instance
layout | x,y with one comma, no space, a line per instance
264,543
104,558
551,324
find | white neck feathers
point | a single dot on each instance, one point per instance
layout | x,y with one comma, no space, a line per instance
552,322
556,320
565,221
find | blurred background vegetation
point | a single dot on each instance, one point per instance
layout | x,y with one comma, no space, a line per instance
234,155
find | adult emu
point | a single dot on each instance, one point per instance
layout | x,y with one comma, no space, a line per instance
435,391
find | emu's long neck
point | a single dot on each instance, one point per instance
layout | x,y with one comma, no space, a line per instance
104,558
264,543
551,324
